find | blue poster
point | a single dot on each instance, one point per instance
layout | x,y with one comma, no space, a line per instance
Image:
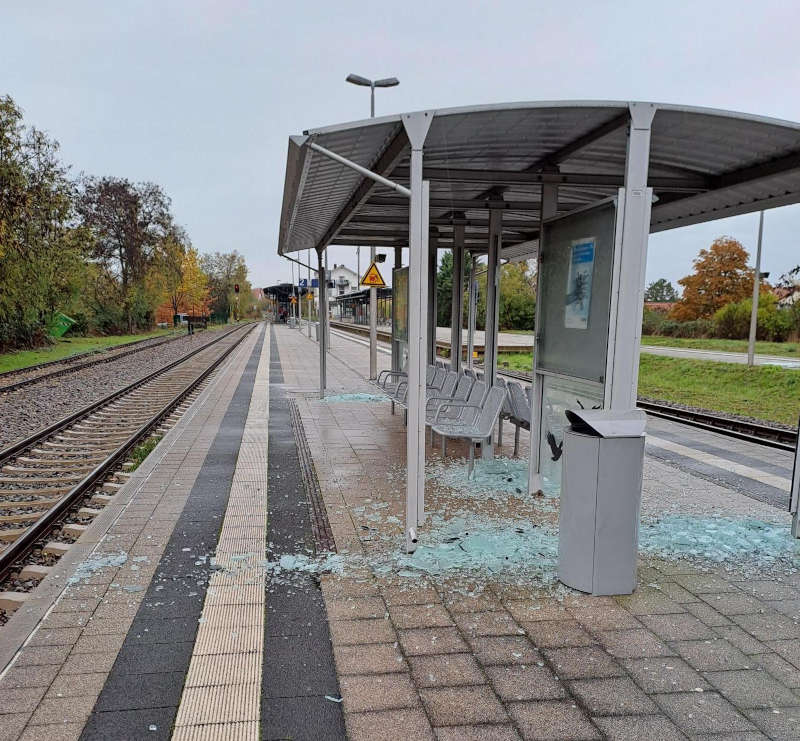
579,284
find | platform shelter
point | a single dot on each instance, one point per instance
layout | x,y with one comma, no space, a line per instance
568,183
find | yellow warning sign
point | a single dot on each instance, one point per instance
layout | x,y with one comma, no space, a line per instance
373,277
310,295
293,300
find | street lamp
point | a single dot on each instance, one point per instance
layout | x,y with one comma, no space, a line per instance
372,84
373,292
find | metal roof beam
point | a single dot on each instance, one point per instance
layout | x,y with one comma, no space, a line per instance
399,220
459,203
769,168
384,164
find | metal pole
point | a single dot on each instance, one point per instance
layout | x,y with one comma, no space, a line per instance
794,492
751,345
372,100
373,291
323,315
490,334
432,308
308,288
398,263
473,308
326,325
457,305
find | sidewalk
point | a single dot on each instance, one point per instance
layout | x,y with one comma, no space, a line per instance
472,637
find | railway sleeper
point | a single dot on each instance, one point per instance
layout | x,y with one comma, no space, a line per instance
11,534
39,480
38,491
89,512
12,601
40,503
55,548
101,499
34,572
73,530
52,465
22,517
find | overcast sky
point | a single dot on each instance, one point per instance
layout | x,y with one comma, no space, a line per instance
200,96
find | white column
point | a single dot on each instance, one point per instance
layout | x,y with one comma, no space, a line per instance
626,325
323,322
549,209
416,126
492,309
457,304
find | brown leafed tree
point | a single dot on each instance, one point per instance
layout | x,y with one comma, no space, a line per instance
721,276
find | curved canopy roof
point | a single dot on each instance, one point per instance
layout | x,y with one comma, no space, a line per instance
704,164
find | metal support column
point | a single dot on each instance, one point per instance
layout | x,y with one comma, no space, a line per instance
323,325
398,263
457,306
471,311
308,288
416,126
794,492
324,289
432,309
751,343
490,335
622,374
373,324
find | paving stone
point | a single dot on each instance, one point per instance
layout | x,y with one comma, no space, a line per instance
630,644
732,603
552,721
354,632
707,614
358,607
682,627
12,725
604,618
72,685
714,655
477,733
704,583
488,624
457,603
614,696
752,689
770,590
520,683
63,710
742,640
492,650
20,700
768,627
104,642
557,634
533,610
42,655
388,725
649,602
377,692
703,712
582,662
780,725
419,616
410,595
788,649
788,607
740,736
423,641
55,637
449,670
639,727
29,676
677,593
89,663
450,706
54,732
787,674
66,620
374,658
664,674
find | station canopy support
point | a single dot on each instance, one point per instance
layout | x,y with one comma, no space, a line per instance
498,179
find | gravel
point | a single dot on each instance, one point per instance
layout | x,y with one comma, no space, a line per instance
32,407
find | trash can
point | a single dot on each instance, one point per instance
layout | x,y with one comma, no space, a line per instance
601,492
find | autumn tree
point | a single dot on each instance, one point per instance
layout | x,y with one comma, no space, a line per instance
224,271
721,276
194,283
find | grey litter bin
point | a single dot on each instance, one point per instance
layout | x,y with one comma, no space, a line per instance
601,492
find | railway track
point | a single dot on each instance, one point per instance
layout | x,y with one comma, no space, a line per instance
74,364
751,431
53,483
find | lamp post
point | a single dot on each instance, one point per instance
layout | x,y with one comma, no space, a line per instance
751,344
373,292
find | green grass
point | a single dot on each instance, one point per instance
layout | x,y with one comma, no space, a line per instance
765,392
69,346
791,349
141,451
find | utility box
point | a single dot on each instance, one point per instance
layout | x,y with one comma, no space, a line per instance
601,492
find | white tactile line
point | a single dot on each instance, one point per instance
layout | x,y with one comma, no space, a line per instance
770,479
222,695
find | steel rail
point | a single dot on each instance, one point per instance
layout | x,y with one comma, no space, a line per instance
20,548
78,366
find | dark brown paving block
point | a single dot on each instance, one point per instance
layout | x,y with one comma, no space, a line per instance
614,696
377,692
452,706
356,632
557,634
683,627
534,610
639,728
752,689
582,662
716,655
448,670
388,725
707,614
477,733
419,616
431,641
630,644
649,602
552,721
781,725
771,626
703,712
495,623
787,674
458,603
374,658
742,640
20,700
664,674
732,603
492,650
520,683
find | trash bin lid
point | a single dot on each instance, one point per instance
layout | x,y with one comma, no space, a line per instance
608,422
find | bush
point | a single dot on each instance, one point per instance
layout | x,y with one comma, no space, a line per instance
652,322
774,324
694,329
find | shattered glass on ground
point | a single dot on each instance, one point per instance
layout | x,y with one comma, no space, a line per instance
355,397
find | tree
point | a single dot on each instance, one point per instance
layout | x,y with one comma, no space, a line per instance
224,271
444,288
661,291
721,276
194,283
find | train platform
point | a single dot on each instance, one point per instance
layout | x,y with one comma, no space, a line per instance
249,581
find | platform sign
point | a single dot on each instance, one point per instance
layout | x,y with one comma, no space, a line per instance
303,283
373,277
